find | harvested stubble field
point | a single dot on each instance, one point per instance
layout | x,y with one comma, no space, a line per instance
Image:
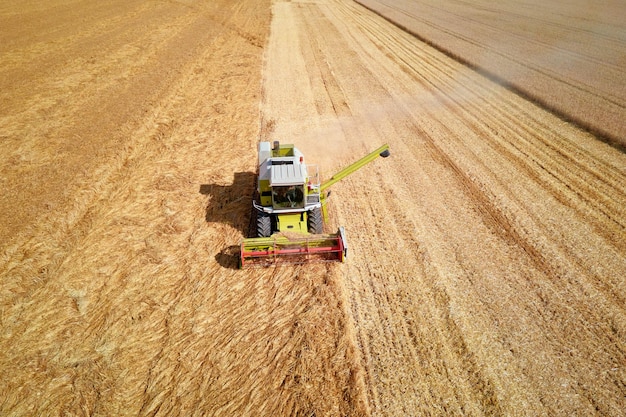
488,254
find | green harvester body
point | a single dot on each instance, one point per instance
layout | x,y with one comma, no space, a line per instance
290,209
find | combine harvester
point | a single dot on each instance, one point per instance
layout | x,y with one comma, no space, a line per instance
290,209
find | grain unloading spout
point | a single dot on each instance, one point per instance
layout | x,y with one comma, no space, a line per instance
382,151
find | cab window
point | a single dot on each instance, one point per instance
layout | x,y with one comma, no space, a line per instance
289,196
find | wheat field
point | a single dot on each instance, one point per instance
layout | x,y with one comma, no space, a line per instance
487,255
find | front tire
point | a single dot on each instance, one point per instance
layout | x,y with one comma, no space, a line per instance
263,224
314,220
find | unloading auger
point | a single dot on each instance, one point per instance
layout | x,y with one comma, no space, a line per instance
290,209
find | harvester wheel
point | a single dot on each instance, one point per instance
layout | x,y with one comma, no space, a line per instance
263,224
315,224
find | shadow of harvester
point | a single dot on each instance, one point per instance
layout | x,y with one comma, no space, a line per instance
232,205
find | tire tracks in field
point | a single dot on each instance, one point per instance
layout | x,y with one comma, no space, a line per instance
557,169
416,326
381,283
586,179
319,63
469,291
552,162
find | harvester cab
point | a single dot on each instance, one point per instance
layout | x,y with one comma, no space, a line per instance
288,191
290,209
